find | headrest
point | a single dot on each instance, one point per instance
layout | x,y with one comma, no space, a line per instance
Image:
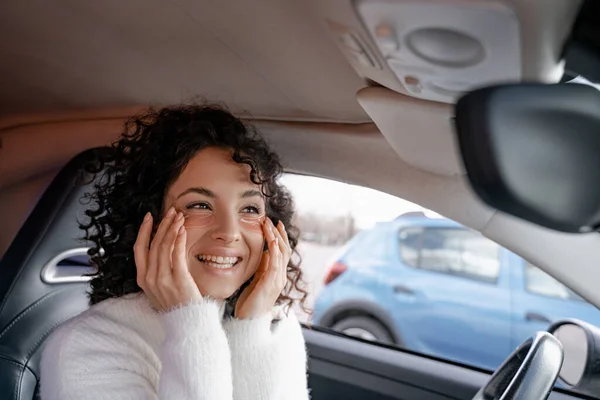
50,231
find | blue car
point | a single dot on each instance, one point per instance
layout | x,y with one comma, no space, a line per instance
436,287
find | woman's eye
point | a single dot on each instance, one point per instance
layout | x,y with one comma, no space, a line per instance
251,210
198,206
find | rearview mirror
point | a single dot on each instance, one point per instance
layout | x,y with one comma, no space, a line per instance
581,346
533,151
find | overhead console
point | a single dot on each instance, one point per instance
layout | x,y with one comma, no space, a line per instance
440,50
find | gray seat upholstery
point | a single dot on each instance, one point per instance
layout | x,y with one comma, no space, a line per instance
32,307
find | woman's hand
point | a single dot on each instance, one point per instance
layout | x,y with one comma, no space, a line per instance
270,278
162,269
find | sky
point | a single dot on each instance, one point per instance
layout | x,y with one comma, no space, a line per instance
327,197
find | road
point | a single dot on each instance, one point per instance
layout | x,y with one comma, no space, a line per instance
316,260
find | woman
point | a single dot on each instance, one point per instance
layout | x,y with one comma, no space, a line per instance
192,238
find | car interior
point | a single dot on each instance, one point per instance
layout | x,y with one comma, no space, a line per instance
462,107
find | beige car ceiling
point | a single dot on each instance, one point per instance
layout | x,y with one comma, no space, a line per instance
71,71
269,57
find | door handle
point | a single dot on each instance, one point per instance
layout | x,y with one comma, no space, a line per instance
401,289
532,316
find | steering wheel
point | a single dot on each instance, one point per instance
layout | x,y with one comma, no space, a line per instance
529,373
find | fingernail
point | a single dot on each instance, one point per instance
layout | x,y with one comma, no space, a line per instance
170,212
179,216
147,217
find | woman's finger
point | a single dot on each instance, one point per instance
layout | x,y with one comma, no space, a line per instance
281,271
164,226
284,235
270,237
180,267
272,233
275,261
156,241
140,249
284,247
283,255
262,266
182,280
268,230
165,253
268,276
286,254
275,265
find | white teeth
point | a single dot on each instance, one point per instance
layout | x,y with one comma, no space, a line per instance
218,261
220,266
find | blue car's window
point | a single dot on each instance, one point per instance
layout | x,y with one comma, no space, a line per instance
541,283
410,246
455,251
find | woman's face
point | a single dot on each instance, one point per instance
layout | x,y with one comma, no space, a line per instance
224,212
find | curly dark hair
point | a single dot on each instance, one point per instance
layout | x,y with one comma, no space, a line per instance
134,174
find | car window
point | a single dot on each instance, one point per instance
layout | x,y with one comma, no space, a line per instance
455,251
541,283
386,270
410,241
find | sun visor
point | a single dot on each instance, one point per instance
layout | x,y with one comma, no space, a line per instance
533,151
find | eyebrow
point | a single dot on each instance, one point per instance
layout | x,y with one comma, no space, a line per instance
212,195
198,190
251,193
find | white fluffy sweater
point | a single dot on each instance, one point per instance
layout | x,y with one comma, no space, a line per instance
122,349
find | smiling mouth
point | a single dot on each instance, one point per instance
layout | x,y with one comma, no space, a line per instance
219,262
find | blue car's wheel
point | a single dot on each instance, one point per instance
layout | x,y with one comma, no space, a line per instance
364,328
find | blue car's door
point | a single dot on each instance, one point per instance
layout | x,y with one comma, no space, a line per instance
539,299
451,295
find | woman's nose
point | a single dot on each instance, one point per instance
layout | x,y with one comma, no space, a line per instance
226,229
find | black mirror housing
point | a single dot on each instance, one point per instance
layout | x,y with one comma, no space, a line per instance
533,151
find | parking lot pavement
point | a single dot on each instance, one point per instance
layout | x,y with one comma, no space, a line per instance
316,260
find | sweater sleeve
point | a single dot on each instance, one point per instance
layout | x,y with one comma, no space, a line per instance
98,359
268,358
